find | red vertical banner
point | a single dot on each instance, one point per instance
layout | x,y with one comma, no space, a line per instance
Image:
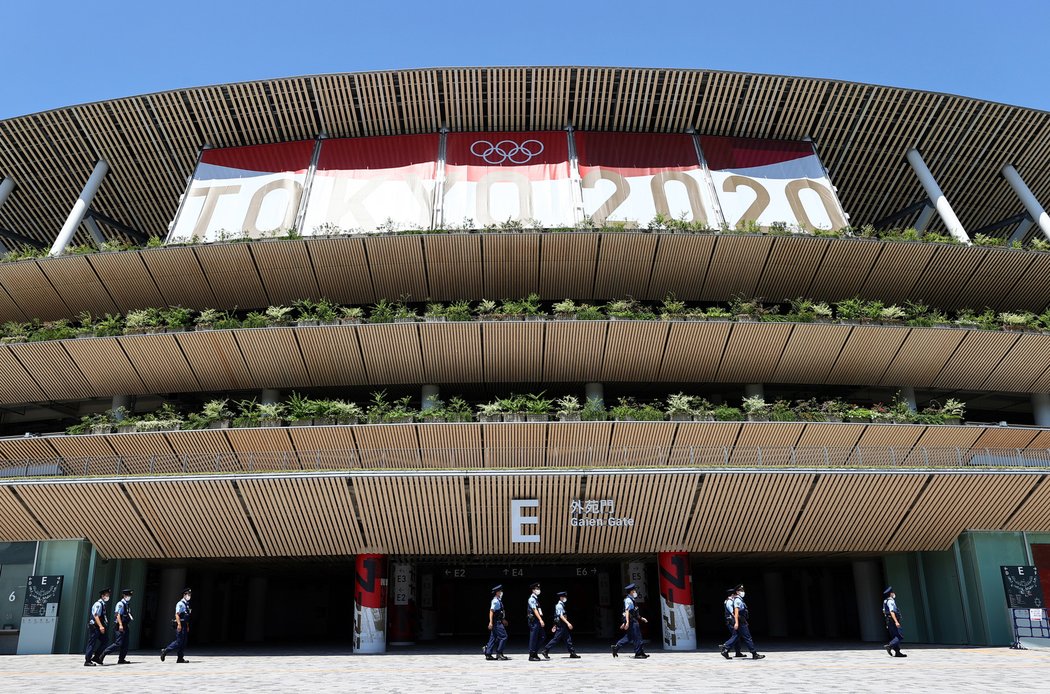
370,588
676,601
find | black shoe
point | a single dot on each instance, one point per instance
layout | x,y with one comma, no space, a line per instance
616,651
500,656
88,663
898,654
739,655
534,657
889,650
124,662
99,658
572,654
723,651
183,660
489,656
757,656
546,654
642,655
163,654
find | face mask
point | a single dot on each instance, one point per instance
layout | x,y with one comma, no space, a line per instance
742,593
634,594
536,592
105,598
565,600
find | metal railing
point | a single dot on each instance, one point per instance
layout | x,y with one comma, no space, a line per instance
550,457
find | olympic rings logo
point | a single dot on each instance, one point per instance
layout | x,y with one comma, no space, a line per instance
506,151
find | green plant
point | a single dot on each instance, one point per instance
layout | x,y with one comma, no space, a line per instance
400,409
892,314
458,311
247,414
490,409
986,240
782,411
725,413
383,311
568,405
593,411
340,411
672,308
300,408
216,411
1024,319
535,403
378,407
351,313
207,318
457,410
88,422
255,319
52,330
622,308
755,405
1037,244
717,313
109,326
434,310
565,308
679,404
176,317
142,320
322,310
278,315
850,309
486,308
588,312
625,408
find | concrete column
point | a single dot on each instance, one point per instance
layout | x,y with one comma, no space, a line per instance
80,208
428,397
907,394
255,624
937,197
594,391
776,603
119,401
1041,409
1031,205
6,186
925,217
96,233
269,396
1021,230
172,582
753,389
867,582
676,602
402,615
369,588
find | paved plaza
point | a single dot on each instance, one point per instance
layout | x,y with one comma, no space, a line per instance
786,669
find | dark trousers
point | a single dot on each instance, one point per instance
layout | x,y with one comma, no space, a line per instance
497,638
895,636
96,641
732,640
561,634
121,643
743,633
633,637
179,644
535,636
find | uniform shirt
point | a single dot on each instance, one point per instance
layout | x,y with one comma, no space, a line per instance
628,604
729,607
534,604
496,606
738,603
182,608
559,609
124,611
890,605
99,610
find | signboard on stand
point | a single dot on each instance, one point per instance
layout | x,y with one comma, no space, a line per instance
40,615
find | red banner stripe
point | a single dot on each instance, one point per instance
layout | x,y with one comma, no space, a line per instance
281,157
724,153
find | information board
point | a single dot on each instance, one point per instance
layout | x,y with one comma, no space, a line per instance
1023,589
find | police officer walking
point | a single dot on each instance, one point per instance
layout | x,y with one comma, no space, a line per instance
631,624
96,633
562,628
122,616
893,623
727,613
497,627
182,628
535,619
739,626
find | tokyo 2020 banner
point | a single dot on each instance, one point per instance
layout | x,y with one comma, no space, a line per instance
526,179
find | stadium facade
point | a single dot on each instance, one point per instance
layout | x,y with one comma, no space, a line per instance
391,338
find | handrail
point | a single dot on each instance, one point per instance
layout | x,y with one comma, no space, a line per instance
510,457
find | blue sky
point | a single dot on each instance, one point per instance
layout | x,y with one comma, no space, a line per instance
61,53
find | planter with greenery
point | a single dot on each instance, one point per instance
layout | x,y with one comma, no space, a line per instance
537,407
490,412
568,408
756,408
679,407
